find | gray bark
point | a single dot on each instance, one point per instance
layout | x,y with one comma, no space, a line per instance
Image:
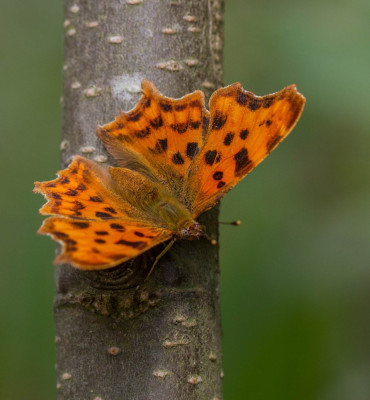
117,337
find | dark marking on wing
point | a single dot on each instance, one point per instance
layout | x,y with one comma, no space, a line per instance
103,215
210,157
241,161
217,176
177,159
135,244
243,134
219,120
228,138
192,149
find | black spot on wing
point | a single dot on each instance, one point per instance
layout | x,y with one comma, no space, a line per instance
141,134
56,196
111,210
254,104
99,241
81,187
228,139
177,159
102,233
135,244
103,215
210,157
60,235
133,117
241,161
166,107
217,176
242,98
272,143
221,184
71,192
96,199
180,128
81,225
192,149
156,122
160,146
268,122
243,134
219,120
64,180
194,124
118,227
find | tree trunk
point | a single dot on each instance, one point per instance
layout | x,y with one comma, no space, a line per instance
160,339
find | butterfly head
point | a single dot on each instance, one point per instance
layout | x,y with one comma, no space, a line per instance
192,231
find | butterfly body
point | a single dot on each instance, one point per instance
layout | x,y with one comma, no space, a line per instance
175,160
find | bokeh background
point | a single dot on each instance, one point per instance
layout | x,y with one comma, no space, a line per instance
295,275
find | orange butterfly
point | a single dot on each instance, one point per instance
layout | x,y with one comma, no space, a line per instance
175,161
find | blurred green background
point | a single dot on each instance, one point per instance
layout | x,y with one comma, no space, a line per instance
295,275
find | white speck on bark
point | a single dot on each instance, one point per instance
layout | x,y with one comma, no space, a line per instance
124,87
133,2
63,146
92,91
71,32
87,149
180,318
212,356
57,339
161,373
92,24
189,18
65,67
66,23
75,85
208,85
171,30
193,29
190,323
58,385
101,158
170,65
66,376
176,342
194,379
75,9
114,351
222,374
117,39
191,62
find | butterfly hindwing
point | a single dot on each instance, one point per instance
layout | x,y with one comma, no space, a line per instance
100,244
243,130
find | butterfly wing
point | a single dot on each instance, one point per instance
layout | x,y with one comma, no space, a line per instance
101,244
243,130
159,137
96,225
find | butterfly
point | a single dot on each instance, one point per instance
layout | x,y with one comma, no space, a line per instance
175,160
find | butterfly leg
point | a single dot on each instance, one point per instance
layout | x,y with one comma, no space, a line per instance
159,256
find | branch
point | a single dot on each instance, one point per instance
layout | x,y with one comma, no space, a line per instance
161,339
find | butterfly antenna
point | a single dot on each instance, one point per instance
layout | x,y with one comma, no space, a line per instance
211,240
235,223
159,256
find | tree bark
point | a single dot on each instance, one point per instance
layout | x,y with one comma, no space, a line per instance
160,339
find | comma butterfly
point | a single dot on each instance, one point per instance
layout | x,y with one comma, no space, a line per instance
175,161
